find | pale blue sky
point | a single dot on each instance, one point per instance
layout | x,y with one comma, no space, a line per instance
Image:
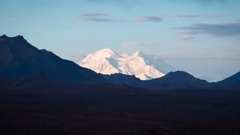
201,37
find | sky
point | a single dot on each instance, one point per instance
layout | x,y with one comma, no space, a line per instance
201,37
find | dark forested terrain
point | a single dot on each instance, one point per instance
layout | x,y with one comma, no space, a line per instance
52,108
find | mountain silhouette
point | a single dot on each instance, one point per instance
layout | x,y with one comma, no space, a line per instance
177,80
19,59
232,82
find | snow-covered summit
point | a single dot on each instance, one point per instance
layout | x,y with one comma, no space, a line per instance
143,66
107,53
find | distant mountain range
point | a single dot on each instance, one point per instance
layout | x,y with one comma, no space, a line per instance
143,66
25,64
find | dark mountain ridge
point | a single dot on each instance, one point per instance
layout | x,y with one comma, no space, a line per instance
19,59
232,82
40,93
177,80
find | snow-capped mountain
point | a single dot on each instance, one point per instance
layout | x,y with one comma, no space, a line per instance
141,65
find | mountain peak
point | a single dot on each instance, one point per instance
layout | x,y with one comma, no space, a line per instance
5,36
178,80
138,64
232,82
19,38
16,45
138,53
179,73
106,52
107,49
18,58
234,78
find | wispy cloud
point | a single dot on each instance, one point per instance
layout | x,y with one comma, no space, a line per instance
189,16
186,37
118,2
214,1
97,17
150,19
216,30
206,2
199,16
